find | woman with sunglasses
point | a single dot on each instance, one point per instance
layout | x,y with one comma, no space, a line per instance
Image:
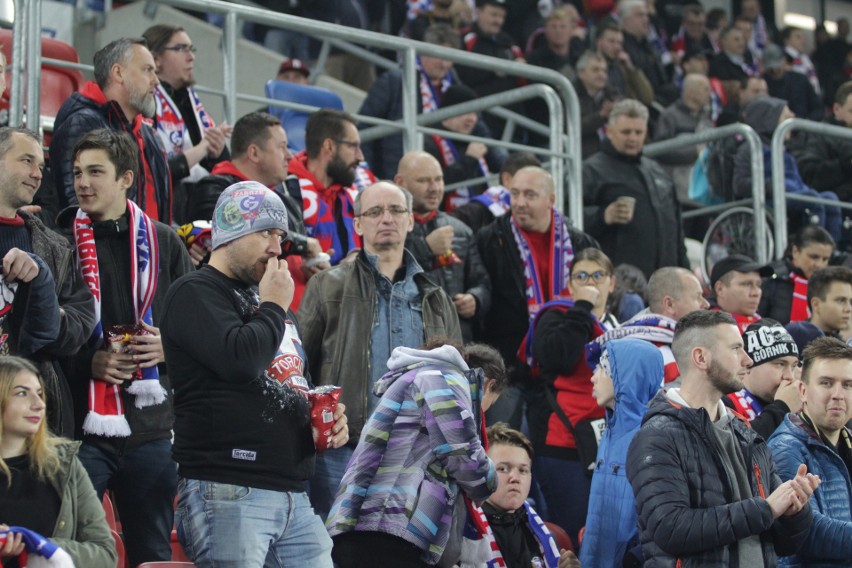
561,411
43,487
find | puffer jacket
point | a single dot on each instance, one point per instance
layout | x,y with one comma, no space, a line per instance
686,517
470,277
776,299
611,530
81,528
418,450
337,315
829,542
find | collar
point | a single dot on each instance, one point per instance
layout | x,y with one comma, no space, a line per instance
406,270
112,226
423,219
608,149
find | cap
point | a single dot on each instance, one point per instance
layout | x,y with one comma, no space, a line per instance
766,340
739,263
693,53
457,94
294,65
773,57
244,208
481,3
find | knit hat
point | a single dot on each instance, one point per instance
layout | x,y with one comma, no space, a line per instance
244,208
766,340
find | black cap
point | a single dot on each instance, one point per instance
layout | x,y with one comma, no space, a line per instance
692,53
458,94
481,3
739,263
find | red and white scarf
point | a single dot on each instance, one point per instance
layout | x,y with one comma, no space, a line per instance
171,125
799,308
560,272
106,410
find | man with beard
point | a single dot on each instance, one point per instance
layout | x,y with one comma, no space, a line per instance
122,98
706,489
326,170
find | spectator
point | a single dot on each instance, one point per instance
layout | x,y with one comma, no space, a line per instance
387,511
293,71
623,78
193,143
829,59
785,293
830,303
729,65
496,201
562,413
326,170
764,114
705,484
628,297
693,35
521,535
746,90
818,436
645,230
355,314
442,245
690,114
128,261
735,283
384,100
771,387
596,100
43,486
535,239
717,20
486,37
752,56
825,162
121,99
559,51
462,161
626,378
789,85
42,263
672,293
794,43
635,25
763,29
242,417
444,12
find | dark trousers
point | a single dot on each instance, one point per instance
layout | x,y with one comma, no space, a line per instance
367,549
144,485
566,487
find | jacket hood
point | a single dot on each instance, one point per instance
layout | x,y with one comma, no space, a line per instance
637,373
762,114
404,359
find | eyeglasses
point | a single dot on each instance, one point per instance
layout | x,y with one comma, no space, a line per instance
583,277
355,145
377,211
182,48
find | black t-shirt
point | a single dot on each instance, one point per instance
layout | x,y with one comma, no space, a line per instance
29,502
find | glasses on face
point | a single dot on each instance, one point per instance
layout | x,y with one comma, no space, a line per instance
396,211
354,145
583,277
181,48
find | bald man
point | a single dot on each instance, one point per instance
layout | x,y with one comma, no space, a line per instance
444,246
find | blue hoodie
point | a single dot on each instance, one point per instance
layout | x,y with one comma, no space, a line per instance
637,373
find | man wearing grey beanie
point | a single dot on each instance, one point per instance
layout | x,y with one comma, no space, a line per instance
243,438
771,386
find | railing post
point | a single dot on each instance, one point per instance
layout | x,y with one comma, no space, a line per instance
229,61
758,190
779,201
33,59
410,83
19,52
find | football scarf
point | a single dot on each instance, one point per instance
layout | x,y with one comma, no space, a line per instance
799,309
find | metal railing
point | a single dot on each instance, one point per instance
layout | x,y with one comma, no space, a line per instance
758,200
779,195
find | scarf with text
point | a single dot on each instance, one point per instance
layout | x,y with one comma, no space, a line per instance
746,404
560,272
106,411
654,328
799,308
171,125
497,199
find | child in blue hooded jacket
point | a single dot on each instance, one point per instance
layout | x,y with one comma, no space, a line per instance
627,377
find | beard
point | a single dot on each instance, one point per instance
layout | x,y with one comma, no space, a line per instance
144,102
723,380
341,172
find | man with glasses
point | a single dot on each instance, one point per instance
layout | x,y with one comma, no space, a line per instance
193,142
771,387
327,171
353,316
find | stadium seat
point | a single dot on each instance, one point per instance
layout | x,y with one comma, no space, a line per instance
119,549
109,512
560,536
294,120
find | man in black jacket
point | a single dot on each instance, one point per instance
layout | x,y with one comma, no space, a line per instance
706,489
631,206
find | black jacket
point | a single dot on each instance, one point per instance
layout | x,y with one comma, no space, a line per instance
683,494
825,162
591,120
89,110
654,238
776,299
508,320
797,90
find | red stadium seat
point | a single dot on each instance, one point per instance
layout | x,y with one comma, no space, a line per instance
560,536
119,548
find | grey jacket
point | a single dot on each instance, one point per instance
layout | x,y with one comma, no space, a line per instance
336,318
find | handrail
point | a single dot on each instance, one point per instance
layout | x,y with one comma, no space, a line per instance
779,199
757,186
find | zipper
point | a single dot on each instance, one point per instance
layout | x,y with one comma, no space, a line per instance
759,482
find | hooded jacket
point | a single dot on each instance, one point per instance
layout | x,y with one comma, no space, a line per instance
636,367
417,451
686,514
829,542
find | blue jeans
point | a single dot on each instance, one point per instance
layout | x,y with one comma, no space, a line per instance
566,487
328,472
222,525
143,483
